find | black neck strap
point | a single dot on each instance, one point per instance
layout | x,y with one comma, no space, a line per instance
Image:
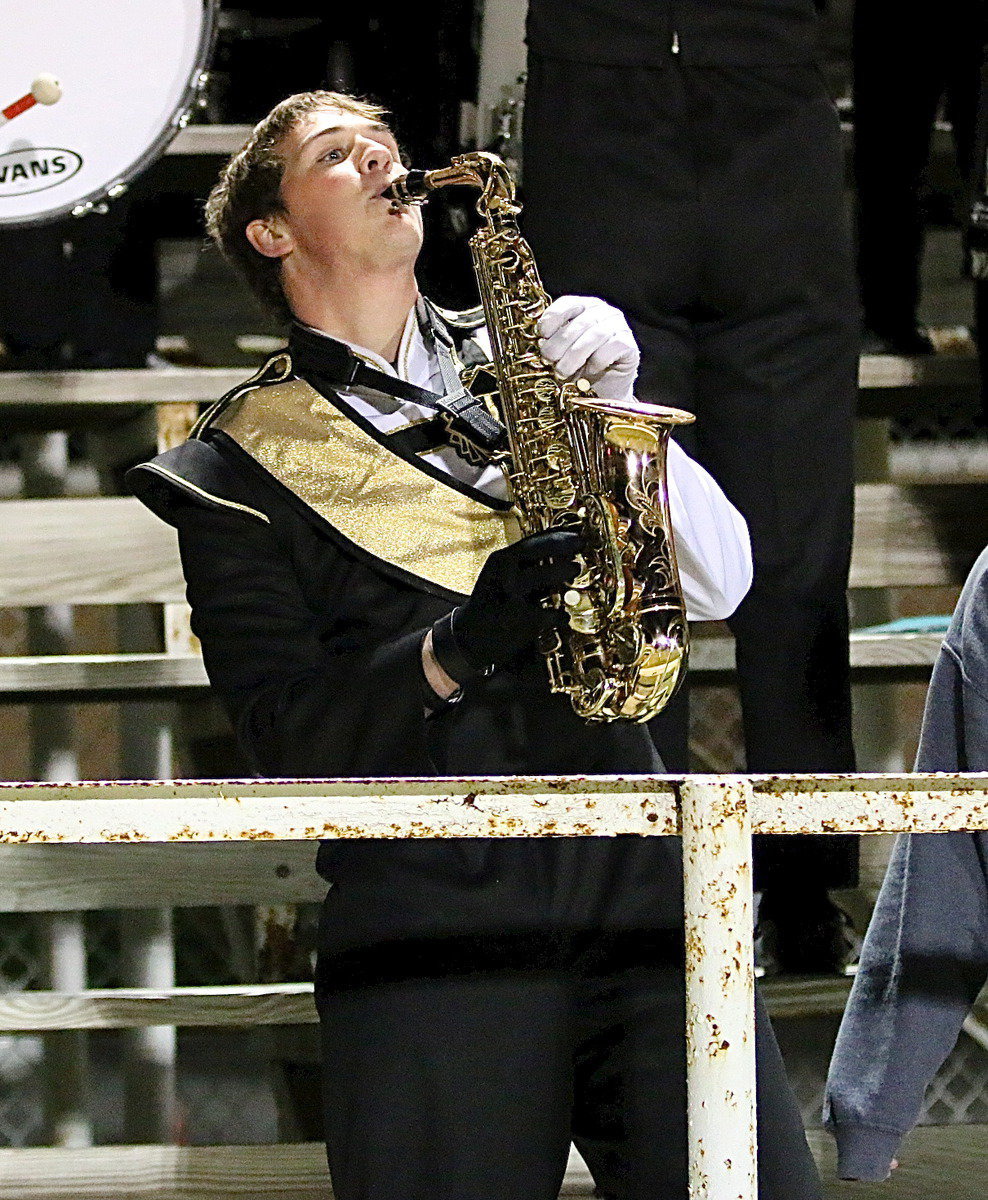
329,364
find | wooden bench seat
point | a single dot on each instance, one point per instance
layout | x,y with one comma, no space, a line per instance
111,550
279,1172
99,677
894,386
238,1006
34,401
107,677
890,656
940,1159
138,385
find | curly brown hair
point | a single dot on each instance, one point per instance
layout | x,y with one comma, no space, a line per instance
249,189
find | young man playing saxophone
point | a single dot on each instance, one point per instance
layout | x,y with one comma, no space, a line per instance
364,610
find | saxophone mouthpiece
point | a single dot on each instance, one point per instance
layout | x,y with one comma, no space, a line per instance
409,188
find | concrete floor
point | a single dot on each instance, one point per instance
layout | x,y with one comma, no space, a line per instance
937,1161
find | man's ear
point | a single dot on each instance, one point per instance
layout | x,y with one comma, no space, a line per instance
269,237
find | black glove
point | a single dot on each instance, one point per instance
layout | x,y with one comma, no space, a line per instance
504,615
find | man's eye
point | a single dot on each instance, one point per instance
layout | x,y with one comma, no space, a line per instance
334,155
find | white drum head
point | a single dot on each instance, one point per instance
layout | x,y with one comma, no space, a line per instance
128,70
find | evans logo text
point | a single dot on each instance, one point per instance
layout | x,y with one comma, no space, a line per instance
36,168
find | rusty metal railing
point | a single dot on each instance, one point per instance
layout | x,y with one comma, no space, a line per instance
715,815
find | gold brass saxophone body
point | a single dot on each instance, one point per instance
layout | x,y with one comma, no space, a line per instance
578,461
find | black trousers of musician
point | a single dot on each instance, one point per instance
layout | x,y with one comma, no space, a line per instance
906,61
706,203
466,1075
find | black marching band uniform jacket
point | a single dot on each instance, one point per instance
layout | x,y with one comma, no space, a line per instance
317,553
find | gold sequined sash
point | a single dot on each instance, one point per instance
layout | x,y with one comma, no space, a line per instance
378,500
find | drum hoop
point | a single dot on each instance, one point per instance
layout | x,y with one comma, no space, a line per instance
177,119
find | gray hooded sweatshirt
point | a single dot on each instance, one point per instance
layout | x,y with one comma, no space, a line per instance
925,956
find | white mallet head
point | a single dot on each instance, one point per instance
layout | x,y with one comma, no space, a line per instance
46,89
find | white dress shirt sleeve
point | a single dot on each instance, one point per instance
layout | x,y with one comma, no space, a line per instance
713,549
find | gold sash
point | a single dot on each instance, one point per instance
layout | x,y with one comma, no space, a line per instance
374,497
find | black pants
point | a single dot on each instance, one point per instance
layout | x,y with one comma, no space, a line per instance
461,1081
905,62
706,203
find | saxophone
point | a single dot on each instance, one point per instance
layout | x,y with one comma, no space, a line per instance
582,462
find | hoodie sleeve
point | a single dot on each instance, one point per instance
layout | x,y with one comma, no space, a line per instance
925,956
922,966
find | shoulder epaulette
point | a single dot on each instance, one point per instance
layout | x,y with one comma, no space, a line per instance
277,369
194,471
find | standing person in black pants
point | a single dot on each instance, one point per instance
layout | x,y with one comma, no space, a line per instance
976,235
903,68
683,161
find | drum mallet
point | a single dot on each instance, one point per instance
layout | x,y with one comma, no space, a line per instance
44,90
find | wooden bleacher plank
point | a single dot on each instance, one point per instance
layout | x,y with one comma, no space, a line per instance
133,676
77,878
884,371
234,1006
894,386
905,655
917,536
208,139
129,385
243,1005
906,652
878,375
101,550
279,1172
98,676
889,384
285,1172
935,1160
180,385
792,996
31,401
878,372
904,536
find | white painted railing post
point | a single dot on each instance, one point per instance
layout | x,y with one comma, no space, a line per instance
44,472
720,988
67,1118
150,1087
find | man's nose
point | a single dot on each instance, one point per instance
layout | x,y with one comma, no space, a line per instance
375,157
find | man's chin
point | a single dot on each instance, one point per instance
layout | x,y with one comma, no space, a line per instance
405,230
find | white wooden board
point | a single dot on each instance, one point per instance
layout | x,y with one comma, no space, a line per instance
243,1005
103,550
46,878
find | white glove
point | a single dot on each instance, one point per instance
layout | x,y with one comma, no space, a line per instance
585,338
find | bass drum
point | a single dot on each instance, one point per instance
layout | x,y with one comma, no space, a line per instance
129,74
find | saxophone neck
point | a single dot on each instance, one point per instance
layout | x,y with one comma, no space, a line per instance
478,169
497,188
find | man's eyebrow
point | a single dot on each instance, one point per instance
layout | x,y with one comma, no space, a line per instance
375,126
